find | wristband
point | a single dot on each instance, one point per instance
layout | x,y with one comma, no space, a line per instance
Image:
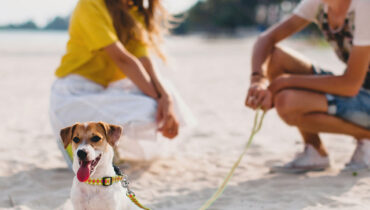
256,73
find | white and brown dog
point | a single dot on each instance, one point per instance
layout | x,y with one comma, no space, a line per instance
96,185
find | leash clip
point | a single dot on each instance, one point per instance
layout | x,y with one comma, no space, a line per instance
125,181
125,184
130,194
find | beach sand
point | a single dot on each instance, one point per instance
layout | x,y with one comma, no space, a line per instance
212,76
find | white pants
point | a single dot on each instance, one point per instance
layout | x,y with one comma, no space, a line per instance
77,99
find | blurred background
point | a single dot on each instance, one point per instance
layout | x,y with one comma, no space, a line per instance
210,56
208,16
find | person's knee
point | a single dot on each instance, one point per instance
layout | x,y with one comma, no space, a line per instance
274,67
285,106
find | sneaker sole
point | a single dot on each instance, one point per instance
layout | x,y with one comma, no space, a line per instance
297,170
355,169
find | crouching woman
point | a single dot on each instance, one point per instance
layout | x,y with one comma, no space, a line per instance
107,75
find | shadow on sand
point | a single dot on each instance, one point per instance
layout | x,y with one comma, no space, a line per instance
36,188
49,189
273,191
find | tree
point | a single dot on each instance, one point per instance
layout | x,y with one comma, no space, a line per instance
29,25
58,23
223,15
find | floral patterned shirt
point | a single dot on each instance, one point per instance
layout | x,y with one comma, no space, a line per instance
354,31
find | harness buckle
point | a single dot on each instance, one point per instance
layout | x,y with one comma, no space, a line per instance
107,181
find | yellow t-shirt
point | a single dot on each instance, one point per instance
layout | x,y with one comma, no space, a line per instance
91,29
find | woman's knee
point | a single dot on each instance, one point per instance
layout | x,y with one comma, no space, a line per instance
285,104
275,64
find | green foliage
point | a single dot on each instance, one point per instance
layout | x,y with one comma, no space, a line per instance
29,25
219,15
58,23
212,16
224,16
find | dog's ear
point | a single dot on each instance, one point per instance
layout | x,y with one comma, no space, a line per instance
66,135
112,133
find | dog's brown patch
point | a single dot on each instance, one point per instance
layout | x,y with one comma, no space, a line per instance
67,133
87,132
112,132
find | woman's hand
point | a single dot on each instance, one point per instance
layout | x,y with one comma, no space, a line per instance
259,96
166,119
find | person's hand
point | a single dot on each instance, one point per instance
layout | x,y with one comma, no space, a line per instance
278,84
259,96
166,119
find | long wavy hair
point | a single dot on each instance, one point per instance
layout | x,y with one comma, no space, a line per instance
156,20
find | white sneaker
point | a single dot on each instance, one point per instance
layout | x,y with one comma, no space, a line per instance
361,157
308,160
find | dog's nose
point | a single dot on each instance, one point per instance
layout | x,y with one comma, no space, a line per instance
81,154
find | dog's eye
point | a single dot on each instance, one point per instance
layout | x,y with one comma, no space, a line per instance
76,139
95,139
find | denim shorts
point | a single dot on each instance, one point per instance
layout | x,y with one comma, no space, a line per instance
353,109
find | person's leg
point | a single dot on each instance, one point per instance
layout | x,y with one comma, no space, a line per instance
307,110
284,60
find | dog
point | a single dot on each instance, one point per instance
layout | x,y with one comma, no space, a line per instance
96,184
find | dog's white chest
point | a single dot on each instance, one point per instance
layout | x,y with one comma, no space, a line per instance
87,197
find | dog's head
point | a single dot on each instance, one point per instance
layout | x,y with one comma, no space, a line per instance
92,143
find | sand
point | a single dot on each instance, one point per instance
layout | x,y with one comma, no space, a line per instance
212,76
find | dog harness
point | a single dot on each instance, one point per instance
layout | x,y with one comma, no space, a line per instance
108,181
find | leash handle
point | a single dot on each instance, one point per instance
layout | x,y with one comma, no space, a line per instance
257,124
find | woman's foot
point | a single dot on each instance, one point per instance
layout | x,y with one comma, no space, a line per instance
309,160
361,157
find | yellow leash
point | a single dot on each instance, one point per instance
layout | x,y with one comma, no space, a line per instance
136,202
256,127
130,194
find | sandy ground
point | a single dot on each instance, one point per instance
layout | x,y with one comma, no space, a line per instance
212,76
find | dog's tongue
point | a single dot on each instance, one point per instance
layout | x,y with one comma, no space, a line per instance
83,173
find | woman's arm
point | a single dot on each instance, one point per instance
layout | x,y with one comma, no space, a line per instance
258,94
166,117
154,75
142,73
347,84
132,68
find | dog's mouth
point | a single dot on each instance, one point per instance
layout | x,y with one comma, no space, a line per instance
87,168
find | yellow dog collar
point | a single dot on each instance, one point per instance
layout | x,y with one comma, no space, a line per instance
105,181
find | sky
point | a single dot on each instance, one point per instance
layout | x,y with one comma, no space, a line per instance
42,11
